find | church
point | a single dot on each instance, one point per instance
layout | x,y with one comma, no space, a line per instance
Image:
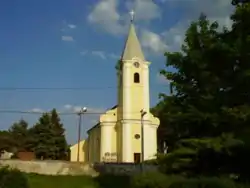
126,133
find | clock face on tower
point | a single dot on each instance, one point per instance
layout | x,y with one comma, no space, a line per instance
136,64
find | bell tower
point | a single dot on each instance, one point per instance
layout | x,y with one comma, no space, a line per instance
133,97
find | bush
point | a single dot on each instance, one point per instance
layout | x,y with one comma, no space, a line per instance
109,180
153,180
12,178
203,182
159,180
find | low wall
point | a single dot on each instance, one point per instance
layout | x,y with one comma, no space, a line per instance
124,168
50,167
74,168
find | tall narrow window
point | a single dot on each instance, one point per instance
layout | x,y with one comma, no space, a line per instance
136,78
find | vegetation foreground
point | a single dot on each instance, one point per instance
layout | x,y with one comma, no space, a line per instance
16,179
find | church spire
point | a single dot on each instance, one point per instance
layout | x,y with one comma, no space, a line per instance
132,46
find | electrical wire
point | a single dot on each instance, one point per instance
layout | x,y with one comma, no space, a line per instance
68,88
59,113
31,112
54,88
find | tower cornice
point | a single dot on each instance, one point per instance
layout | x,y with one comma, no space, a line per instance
143,62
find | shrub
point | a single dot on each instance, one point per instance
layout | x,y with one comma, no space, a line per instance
159,180
3,170
109,180
203,182
153,180
12,178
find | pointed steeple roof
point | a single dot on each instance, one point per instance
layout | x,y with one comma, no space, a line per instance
132,46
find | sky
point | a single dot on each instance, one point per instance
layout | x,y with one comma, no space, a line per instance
76,44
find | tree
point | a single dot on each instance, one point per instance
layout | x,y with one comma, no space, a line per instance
59,136
43,138
19,134
203,115
5,141
49,137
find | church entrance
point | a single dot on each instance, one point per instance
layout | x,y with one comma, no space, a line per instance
137,157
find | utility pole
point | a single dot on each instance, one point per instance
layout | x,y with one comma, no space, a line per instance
143,113
80,113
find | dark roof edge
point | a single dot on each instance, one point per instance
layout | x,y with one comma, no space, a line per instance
99,122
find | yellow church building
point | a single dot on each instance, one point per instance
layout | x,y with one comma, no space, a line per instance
126,133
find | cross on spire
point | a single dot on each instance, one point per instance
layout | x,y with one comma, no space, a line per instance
132,14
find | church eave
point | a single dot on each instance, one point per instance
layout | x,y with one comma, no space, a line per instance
95,126
98,124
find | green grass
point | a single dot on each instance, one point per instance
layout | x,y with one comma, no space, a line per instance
45,181
109,181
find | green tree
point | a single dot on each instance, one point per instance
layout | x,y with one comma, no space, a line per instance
59,136
202,117
238,114
44,144
20,136
49,138
5,141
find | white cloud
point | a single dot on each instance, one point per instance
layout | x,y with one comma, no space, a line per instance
67,38
37,110
145,9
106,14
161,79
215,10
66,27
67,106
153,42
174,36
78,108
100,54
71,26
114,56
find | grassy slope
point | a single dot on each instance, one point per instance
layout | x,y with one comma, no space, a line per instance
42,181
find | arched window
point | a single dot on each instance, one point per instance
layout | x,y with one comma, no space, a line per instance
136,78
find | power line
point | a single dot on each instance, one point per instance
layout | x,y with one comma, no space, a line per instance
60,113
55,88
67,88
39,113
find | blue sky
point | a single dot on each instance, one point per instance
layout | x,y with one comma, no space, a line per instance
76,43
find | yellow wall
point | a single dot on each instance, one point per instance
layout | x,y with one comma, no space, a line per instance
108,123
149,139
136,143
114,143
94,144
83,153
137,99
136,92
